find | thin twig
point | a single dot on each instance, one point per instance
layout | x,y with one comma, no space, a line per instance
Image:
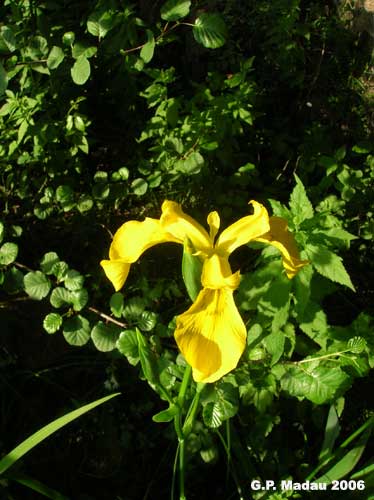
106,317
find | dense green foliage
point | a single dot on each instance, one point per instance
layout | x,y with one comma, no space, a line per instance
106,109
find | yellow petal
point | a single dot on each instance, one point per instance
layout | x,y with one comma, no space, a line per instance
217,273
183,227
211,335
284,241
116,271
244,230
134,237
214,222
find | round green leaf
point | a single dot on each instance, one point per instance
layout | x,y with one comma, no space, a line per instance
100,22
52,322
59,269
148,48
60,297
73,280
68,38
48,261
210,30
139,186
172,10
81,70
85,203
147,321
116,304
76,330
104,337
55,57
356,344
64,194
37,285
79,299
8,253
127,344
134,308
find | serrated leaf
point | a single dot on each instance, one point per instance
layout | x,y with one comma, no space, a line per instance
313,322
76,330
148,48
81,70
300,205
116,304
73,280
224,406
8,253
212,415
55,57
320,384
60,297
259,391
104,337
274,344
356,345
8,41
127,344
52,322
37,285
301,287
172,10
328,264
275,303
210,30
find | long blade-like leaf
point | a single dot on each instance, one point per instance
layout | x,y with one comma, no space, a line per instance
46,431
36,485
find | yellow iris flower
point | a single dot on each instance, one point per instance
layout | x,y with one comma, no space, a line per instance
211,334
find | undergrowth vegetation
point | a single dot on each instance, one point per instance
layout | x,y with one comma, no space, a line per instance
108,108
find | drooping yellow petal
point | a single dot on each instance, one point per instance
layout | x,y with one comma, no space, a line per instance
116,271
134,237
217,273
175,222
284,241
211,334
244,230
214,222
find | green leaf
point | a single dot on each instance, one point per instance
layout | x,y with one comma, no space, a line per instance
35,485
139,186
224,406
210,30
59,269
116,304
301,287
133,309
8,253
274,344
85,203
39,436
300,205
55,57
166,415
8,41
127,344
172,10
64,194
60,297
331,433
81,70
3,80
148,48
73,280
104,337
275,303
147,321
83,49
79,299
52,322
320,384
37,285
100,22
191,271
147,359
76,330
2,231
347,463
328,264
356,345
259,391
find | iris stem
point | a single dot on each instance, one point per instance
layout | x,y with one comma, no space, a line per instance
184,386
